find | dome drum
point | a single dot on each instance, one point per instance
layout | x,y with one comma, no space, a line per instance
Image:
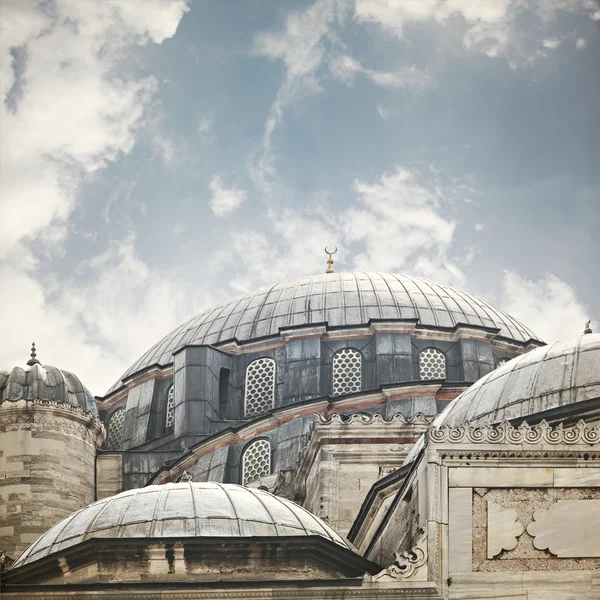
211,387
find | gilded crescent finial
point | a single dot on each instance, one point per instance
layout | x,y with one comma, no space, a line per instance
331,250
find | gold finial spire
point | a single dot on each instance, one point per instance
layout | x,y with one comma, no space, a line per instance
587,328
33,360
330,261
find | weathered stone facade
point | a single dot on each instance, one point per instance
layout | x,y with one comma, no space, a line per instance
47,455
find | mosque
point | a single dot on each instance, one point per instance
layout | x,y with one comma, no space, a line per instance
357,435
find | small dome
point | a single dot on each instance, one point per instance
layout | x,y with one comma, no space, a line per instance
338,300
190,509
46,383
545,378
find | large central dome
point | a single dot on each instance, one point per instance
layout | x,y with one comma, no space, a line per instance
337,300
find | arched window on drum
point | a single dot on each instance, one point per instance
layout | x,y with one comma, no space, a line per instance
347,372
256,461
259,396
115,429
432,364
170,412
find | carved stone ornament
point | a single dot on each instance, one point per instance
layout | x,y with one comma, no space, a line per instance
51,416
505,433
367,419
568,528
503,529
406,565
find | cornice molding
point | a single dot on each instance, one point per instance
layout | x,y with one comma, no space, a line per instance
371,591
370,419
40,415
505,433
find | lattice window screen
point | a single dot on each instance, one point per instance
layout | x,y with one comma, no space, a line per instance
256,462
347,372
170,416
115,429
260,386
432,364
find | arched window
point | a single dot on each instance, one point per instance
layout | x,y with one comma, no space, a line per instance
260,386
170,413
347,371
432,364
256,461
115,429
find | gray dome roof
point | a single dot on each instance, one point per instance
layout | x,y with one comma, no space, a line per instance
338,299
556,375
46,383
190,509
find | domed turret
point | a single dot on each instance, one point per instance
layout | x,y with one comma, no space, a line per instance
49,436
45,383
189,532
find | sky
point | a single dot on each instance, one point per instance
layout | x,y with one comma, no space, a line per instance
160,156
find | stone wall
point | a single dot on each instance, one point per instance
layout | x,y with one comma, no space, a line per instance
47,455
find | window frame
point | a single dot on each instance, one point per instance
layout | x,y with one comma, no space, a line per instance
443,354
269,456
111,418
170,409
272,386
333,371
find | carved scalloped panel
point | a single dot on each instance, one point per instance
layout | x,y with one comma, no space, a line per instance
503,529
568,529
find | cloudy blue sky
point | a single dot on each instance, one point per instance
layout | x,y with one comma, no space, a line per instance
159,156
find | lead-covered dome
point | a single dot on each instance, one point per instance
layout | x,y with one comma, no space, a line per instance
337,300
45,383
191,509
560,374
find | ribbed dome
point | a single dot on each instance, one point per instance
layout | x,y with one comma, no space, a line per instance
46,383
339,300
190,509
556,375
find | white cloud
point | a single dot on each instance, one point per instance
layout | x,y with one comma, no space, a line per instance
549,306
301,48
497,28
204,125
345,67
596,15
398,223
382,112
479,226
164,147
112,308
580,43
402,223
69,107
551,43
224,201
69,51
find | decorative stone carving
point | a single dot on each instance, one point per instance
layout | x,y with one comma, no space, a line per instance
542,433
406,565
367,419
503,529
51,416
568,529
